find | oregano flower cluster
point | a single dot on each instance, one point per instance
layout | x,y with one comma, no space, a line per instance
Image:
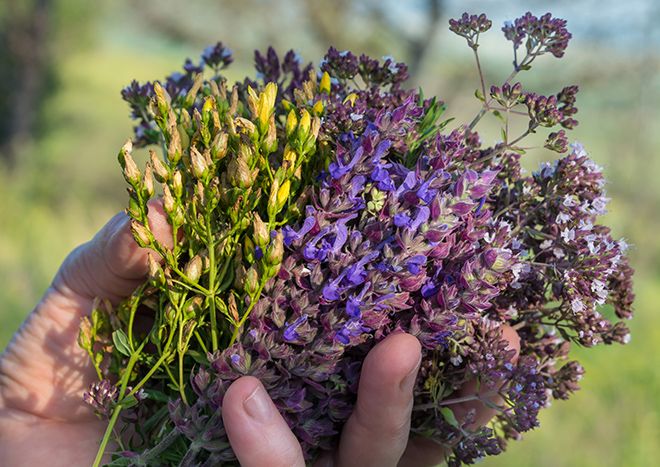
316,211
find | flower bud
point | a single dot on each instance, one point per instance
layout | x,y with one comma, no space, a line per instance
219,146
275,252
252,100
162,99
318,107
148,181
245,125
272,199
266,105
248,249
177,184
260,231
200,168
270,141
194,89
289,159
291,123
156,274
324,85
192,307
232,308
304,125
193,269
140,233
131,172
239,173
283,194
160,171
251,281
168,200
174,150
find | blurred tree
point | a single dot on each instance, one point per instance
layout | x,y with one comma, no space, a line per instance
34,36
371,26
25,67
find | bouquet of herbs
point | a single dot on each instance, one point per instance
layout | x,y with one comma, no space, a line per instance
316,211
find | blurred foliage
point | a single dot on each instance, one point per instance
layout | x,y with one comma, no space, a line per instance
65,182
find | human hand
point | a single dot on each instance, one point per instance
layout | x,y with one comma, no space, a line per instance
43,374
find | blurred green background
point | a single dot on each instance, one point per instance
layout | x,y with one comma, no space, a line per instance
63,63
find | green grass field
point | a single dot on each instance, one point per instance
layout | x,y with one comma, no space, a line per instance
67,185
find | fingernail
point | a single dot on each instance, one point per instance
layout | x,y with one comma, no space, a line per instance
258,405
408,381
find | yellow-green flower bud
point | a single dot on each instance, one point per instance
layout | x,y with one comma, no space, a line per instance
304,125
289,160
251,281
270,141
194,89
260,231
193,269
156,274
131,172
324,85
192,307
318,108
148,181
248,250
275,250
252,100
272,199
245,125
239,173
232,308
291,123
283,194
177,184
168,200
200,168
174,150
160,170
162,99
219,146
140,233
266,105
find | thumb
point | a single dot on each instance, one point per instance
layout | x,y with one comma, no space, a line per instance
111,265
43,371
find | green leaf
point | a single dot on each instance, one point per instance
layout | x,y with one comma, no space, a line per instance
479,95
498,115
449,416
129,401
121,342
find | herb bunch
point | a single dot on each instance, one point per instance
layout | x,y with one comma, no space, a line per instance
313,213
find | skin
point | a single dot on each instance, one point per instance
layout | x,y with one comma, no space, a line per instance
43,374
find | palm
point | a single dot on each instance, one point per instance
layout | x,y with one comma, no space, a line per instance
43,374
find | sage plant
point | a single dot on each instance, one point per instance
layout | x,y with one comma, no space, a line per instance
316,211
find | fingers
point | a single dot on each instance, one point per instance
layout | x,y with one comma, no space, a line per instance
257,432
377,432
43,371
422,452
483,413
111,265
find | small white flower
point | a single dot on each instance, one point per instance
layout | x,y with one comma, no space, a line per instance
568,235
577,306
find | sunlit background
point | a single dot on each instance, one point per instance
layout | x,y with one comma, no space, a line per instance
63,63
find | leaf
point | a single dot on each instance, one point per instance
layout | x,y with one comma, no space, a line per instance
129,401
449,416
498,115
121,342
478,94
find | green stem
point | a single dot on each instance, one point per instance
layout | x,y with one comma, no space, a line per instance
253,302
106,436
211,294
